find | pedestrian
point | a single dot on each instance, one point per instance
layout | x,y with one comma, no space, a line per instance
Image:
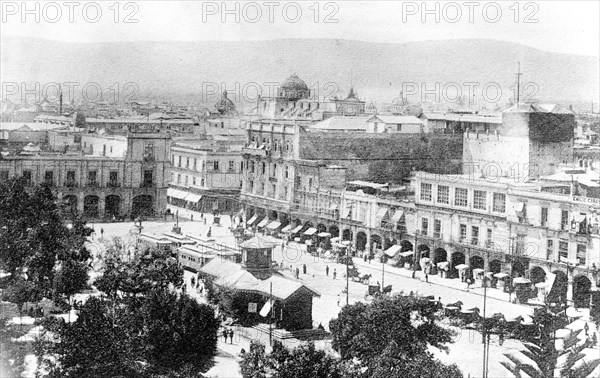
586,328
426,277
231,335
192,217
297,272
469,282
304,269
327,270
334,273
209,233
338,300
225,335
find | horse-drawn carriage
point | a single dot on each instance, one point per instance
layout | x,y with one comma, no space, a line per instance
374,290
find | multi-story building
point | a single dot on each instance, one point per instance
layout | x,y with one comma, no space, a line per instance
499,225
112,175
206,174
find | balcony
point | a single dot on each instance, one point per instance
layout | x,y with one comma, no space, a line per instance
92,184
71,184
113,184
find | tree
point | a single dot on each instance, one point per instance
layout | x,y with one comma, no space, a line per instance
34,236
365,330
177,331
541,352
302,362
70,278
92,346
391,337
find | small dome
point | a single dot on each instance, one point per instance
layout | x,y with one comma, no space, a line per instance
294,88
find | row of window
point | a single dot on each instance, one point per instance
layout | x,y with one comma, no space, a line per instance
271,144
185,180
92,177
461,197
475,232
273,169
563,251
198,165
272,190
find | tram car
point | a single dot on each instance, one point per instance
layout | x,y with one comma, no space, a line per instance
193,257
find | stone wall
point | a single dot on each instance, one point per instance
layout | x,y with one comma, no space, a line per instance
384,158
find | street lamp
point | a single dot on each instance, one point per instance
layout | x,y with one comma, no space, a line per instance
415,251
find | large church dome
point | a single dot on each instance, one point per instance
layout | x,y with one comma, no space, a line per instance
294,88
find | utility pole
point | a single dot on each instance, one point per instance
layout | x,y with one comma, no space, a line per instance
518,82
271,322
382,276
485,335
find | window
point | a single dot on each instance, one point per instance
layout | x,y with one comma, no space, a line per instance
186,181
424,226
71,176
274,171
310,183
179,165
194,166
489,238
231,166
460,197
173,160
148,181
250,186
443,194
215,165
544,220
92,177
3,176
241,166
425,191
480,199
437,228
564,220
113,177
463,233
172,177
563,250
264,168
49,177
27,176
287,172
474,235
252,166
178,178
187,162
194,181
149,150
398,128
581,254
499,205
550,250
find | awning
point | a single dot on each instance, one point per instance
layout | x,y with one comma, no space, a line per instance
310,231
297,229
263,222
461,266
266,309
397,216
286,228
579,217
382,212
392,250
323,234
406,254
193,197
335,239
308,242
274,225
252,220
443,265
519,207
176,193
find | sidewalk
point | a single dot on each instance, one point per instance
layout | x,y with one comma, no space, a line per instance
435,279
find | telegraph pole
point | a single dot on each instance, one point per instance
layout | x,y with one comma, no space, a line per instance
272,310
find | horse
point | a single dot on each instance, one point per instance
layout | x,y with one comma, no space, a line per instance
387,289
365,278
452,309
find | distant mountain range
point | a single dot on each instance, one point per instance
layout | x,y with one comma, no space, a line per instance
182,71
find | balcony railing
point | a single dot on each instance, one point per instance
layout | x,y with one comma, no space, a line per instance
71,184
92,184
113,184
254,151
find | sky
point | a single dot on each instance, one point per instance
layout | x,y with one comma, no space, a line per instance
558,26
